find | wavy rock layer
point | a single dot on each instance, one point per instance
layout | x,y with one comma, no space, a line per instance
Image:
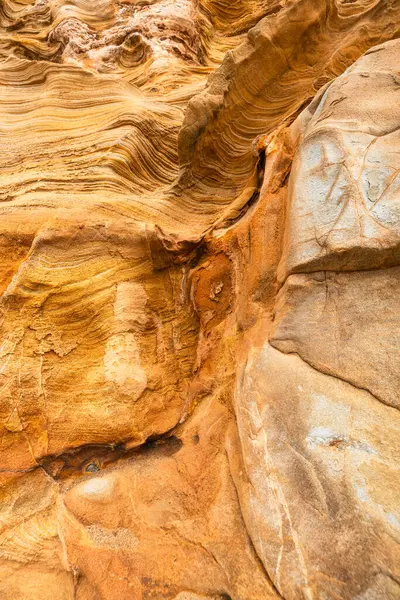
199,325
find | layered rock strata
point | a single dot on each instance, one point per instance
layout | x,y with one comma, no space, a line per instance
199,325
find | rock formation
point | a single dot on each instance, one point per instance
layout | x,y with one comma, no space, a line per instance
199,317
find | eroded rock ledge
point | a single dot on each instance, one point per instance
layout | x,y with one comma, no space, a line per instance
199,317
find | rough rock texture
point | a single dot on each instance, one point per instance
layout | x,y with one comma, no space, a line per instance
199,316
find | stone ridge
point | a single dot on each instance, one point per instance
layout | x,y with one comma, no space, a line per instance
199,325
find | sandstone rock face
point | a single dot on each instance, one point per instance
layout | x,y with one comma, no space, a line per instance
199,316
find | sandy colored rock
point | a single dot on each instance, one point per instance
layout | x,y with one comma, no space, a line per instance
199,323
344,197
346,325
32,559
322,458
170,518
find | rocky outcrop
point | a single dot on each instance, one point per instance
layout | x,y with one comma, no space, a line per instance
199,326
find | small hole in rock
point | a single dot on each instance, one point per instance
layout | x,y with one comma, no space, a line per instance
92,468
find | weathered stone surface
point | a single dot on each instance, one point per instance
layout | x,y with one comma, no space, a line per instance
344,211
33,563
199,323
346,325
322,459
170,518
